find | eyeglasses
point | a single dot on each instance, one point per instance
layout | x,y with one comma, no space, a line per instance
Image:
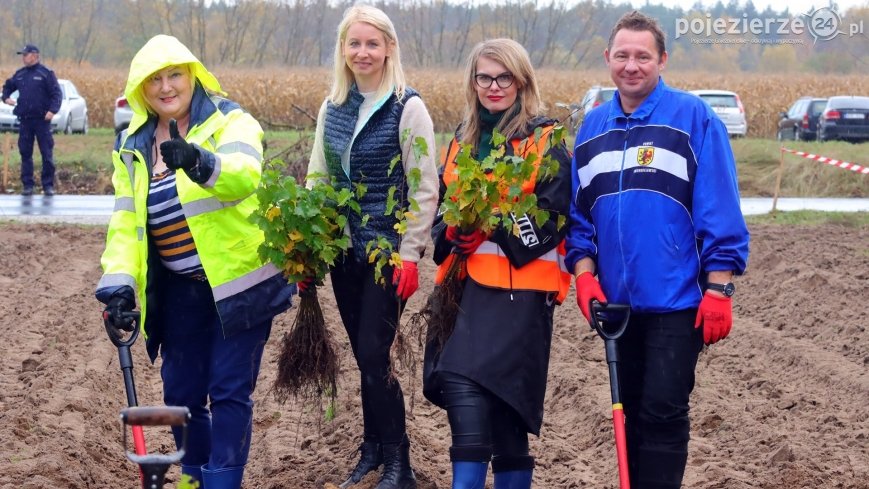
503,80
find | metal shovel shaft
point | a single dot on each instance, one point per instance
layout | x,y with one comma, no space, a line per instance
125,358
612,359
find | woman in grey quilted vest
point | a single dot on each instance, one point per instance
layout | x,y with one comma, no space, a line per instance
370,118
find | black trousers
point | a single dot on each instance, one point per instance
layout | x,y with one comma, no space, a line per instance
483,427
658,354
370,313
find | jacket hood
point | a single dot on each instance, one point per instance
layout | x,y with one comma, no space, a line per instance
158,53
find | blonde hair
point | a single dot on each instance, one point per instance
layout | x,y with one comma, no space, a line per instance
393,75
513,56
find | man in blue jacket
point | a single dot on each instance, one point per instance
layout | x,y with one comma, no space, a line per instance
39,98
656,215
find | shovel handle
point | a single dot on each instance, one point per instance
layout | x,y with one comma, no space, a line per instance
155,416
136,317
609,330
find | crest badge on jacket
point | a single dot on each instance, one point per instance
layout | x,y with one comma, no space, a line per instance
645,155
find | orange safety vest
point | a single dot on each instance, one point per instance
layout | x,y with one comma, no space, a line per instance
489,265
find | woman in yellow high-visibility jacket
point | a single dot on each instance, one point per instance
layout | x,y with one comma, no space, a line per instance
490,375
180,242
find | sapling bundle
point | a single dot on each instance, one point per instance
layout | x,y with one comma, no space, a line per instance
304,235
486,194
380,251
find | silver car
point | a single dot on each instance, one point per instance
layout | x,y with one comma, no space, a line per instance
72,116
123,114
729,109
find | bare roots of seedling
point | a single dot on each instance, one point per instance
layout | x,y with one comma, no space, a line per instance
307,364
443,304
435,322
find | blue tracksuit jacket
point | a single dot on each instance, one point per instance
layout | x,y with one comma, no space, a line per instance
655,201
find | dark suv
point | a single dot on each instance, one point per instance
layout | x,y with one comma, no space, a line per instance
800,122
846,118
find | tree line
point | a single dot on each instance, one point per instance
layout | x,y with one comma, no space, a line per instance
432,33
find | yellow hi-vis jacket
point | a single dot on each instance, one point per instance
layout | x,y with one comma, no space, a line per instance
489,265
247,291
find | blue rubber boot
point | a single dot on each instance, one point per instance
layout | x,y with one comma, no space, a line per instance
513,472
515,479
195,474
469,475
225,478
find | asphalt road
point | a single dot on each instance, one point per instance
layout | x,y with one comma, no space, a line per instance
96,209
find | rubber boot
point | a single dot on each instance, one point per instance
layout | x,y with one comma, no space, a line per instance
225,478
469,475
513,472
397,473
514,479
195,473
370,458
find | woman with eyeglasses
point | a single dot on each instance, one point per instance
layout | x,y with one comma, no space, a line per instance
490,375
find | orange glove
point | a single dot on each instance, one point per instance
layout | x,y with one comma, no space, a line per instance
588,288
715,314
406,279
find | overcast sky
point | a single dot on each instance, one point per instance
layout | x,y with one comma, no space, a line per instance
795,6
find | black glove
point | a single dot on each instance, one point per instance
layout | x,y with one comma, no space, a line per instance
114,317
178,153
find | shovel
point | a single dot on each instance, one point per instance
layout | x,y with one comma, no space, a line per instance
154,466
604,321
125,358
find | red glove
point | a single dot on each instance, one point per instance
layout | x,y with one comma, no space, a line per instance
715,314
406,278
588,288
466,243
305,284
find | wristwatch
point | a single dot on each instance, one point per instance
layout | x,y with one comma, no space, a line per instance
727,289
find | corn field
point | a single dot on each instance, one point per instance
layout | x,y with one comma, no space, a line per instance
290,97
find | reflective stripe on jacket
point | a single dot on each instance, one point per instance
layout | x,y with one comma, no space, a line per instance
489,265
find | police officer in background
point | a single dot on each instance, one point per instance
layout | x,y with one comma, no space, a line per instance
39,98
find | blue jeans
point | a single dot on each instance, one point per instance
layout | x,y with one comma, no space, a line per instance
658,354
40,130
200,365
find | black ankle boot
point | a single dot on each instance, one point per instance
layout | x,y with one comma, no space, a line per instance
397,473
371,457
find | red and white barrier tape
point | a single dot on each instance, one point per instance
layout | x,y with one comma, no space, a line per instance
830,161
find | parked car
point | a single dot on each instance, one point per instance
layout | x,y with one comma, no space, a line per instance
123,114
728,107
846,118
800,122
595,96
8,120
72,116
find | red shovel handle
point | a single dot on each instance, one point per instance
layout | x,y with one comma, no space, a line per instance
621,446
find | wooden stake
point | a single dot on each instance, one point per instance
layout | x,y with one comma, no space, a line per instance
781,166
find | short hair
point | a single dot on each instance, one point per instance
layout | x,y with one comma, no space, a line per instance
393,74
188,67
515,58
637,21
